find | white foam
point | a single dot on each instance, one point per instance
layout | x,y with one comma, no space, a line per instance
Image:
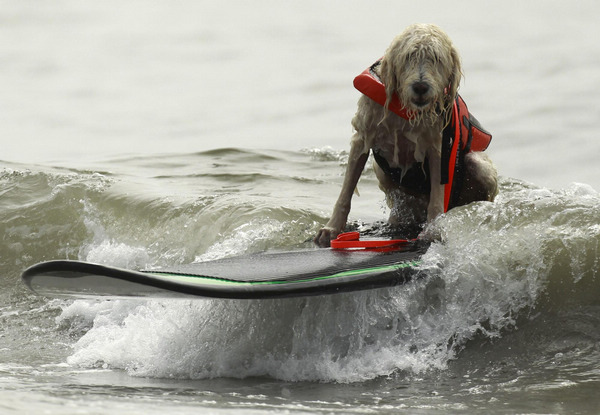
117,254
256,235
342,338
104,250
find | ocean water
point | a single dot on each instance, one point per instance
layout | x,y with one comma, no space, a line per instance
142,134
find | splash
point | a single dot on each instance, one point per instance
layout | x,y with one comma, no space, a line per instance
338,338
495,264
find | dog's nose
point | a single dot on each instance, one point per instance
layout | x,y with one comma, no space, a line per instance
420,88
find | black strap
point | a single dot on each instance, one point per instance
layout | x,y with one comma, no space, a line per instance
415,179
447,141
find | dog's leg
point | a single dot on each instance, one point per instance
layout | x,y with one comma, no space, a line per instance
436,197
356,163
480,179
388,187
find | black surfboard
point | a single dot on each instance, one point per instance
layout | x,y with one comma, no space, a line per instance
265,275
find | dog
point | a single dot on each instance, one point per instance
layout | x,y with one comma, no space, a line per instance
422,68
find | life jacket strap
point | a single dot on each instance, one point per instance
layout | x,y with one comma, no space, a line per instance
415,180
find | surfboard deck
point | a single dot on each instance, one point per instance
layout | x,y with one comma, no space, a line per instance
264,275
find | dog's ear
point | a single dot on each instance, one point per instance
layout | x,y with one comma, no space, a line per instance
389,78
455,75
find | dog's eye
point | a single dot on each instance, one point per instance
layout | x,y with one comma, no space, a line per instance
434,58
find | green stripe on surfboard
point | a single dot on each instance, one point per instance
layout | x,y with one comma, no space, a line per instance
186,278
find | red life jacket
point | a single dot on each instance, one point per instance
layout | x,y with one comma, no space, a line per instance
463,125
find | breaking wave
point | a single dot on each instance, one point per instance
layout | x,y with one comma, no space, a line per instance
496,266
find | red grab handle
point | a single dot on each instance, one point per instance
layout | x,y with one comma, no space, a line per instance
349,240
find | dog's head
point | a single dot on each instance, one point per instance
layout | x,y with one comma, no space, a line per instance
423,68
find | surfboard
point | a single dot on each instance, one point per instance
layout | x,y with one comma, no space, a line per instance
303,272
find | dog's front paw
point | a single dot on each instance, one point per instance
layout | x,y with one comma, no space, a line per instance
432,232
324,237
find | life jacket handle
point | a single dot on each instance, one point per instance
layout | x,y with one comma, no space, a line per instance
351,240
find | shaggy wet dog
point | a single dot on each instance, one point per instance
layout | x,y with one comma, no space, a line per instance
422,68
